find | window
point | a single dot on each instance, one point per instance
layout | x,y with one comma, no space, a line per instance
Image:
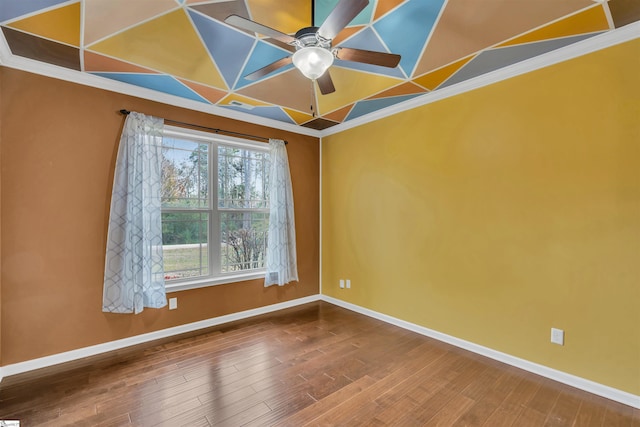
215,208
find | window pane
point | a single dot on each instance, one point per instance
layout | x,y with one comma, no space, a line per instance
242,178
244,240
185,175
185,244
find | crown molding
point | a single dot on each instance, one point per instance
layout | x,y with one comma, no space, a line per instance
593,44
584,47
9,60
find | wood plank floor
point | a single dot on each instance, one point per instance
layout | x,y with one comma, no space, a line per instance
316,364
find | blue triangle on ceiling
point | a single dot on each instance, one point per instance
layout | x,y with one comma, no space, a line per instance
369,106
229,48
416,18
158,82
10,9
274,113
262,55
367,39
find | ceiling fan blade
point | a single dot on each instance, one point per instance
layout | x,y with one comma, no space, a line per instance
269,68
340,16
384,59
247,24
326,84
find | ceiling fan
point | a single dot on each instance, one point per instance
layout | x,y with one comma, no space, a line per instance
313,53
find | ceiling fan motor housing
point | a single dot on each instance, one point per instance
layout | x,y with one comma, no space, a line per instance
309,36
314,52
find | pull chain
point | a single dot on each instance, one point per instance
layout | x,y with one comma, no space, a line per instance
313,112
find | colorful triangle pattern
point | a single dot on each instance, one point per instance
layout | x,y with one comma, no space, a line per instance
184,48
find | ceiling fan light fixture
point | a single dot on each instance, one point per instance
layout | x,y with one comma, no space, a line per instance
312,61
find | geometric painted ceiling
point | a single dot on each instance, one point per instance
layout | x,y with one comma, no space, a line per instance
184,48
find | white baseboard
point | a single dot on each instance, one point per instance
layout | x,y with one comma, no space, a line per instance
68,356
563,377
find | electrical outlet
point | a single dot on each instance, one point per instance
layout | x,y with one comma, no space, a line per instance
173,303
341,284
348,283
557,336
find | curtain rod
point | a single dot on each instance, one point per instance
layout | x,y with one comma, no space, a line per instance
216,130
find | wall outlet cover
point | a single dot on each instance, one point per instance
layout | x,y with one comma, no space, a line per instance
557,336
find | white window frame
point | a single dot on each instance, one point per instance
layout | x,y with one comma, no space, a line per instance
214,236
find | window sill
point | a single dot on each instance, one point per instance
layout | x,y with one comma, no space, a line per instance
203,283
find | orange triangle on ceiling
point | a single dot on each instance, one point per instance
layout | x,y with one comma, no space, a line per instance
107,18
297,15
385,6
94,62
589,21
288,89
61,24
498,20
339,115
345,34
298,116
239,100
210,94
407,88
435,78
352,86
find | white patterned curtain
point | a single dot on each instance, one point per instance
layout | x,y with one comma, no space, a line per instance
133,272
281,249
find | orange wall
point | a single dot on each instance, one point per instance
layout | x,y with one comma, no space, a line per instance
0,230
58,145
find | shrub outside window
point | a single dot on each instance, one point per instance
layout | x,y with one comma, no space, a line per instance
215,208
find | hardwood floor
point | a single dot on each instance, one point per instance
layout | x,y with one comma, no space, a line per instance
317,364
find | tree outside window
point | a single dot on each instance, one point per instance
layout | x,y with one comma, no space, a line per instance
207,234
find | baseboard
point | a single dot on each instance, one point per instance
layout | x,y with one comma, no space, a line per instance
562,377
68,356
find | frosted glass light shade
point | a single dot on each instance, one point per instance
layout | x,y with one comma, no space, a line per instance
312,61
